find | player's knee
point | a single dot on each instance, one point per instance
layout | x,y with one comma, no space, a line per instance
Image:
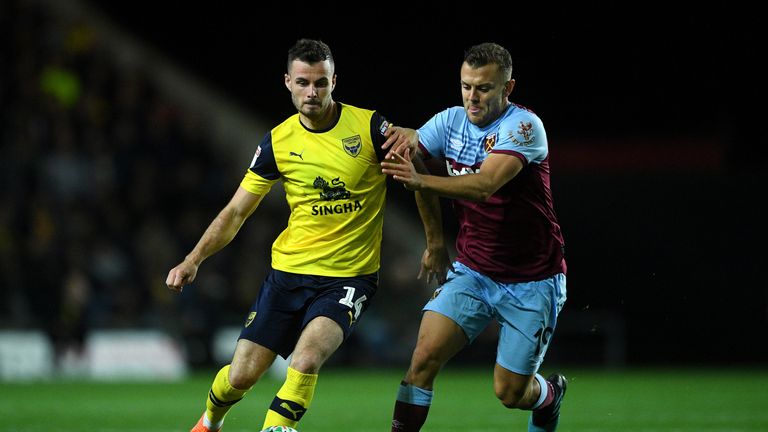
425,359
424,367
242,379
307,362
510,396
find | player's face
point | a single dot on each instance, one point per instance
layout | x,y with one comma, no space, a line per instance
485,91
311,86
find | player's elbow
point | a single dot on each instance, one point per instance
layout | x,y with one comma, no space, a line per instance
477,195
484,188
484,192
483,195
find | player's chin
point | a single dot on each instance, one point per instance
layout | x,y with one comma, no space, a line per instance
310,109
476,119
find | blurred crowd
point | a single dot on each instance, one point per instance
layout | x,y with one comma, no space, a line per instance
106,182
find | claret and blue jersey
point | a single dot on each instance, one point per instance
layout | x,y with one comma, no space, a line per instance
514,236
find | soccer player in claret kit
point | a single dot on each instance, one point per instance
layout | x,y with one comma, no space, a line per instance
511,261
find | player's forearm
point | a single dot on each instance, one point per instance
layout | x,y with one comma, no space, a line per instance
428,205
429,209
473,187
218,234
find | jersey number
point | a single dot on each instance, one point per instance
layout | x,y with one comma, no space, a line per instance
543,335
357,304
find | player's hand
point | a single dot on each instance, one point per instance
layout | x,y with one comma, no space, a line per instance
402,170
182,274
435,264
399,139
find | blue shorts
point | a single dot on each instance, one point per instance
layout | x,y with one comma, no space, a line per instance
526,312
288,301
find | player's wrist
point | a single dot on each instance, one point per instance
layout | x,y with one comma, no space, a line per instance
435,245
193,259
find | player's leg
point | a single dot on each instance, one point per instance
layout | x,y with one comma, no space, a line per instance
232,382
546,416
531,392
329,320
455,315
440,338
272,328
320,338
514,390
527,313
546,410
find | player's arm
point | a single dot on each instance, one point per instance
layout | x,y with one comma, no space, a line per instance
219,233
496,170
435,260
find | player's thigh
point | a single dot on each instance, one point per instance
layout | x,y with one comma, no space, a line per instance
276,317
343,300
318,341
528,316
461,299
249,363
440,338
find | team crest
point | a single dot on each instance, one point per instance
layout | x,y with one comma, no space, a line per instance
251,316
524,135
352,145
489,142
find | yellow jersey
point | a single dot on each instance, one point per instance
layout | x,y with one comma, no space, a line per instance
334,188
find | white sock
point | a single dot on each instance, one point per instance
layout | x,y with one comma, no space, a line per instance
544,391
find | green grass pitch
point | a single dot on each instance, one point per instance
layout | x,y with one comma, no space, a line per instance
361,400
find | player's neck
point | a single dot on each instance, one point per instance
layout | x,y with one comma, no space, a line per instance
324,122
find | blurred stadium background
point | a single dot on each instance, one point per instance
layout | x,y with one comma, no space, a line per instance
125,127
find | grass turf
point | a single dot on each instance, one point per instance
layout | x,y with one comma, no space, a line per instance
361,400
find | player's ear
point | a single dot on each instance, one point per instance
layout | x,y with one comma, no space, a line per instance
508,86
288,82
333,82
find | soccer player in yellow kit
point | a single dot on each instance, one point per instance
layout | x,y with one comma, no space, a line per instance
325,263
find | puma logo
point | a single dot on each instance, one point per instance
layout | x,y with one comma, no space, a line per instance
298,155
296,413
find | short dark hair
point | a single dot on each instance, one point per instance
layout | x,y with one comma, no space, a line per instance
489,53
309,51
